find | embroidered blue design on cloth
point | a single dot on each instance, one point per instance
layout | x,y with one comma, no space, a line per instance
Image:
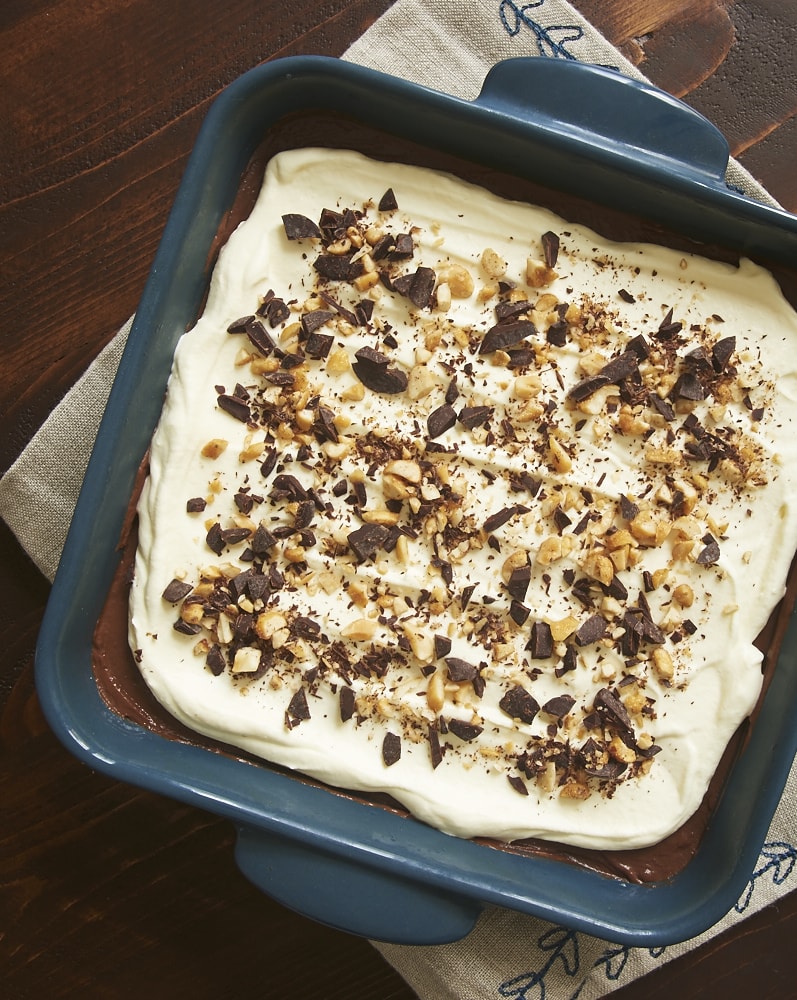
551,40
777,861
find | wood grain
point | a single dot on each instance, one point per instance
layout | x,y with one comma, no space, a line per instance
106,891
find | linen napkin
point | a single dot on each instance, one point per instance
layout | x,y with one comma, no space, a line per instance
448,45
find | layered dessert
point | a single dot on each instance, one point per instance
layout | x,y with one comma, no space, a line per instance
455,500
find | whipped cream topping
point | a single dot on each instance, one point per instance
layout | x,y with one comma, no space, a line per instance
456,500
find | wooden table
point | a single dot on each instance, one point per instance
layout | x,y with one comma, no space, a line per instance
106,891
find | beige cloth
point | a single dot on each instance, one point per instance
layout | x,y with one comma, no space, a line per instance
448,45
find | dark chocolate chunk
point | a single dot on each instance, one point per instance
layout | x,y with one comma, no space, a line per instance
710,553
422,287
612,711
442,646
232,536
366,541
186,628
435,750
721,353
505,334
688,386
587,386
593,629
460,670
337,267
312,320
235,406
518,612
541,643
176,590
628,509
625,295
519,704
517,783
569,661
214,661
556,334
441,420
215,539
403,247
391,749
299,227
559,706
373,369
318,345
501,517
298,709
474,416
550,248
346,702
511,310
196,505
262,541
519,580
464,730
388,203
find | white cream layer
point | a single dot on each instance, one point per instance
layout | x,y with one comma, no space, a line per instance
716,671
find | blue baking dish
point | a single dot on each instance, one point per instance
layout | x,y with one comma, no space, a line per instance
579,129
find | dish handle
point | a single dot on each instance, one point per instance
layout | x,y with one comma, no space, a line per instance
348,895
600,108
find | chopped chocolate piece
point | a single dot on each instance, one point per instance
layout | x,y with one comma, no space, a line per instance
661,406
556,334
628,509
347,314
298,709
587,386
305,512
506,334
541,644
232,536
187,628
569,661
318,345
519,580
638,346
560,519
511,310
176,591
474,416
550,248
275,310
559,706
519,704
709,555
391,749
441,420
235,406
625,295
214,660
299,227
518,784
422,287
388,203
289,486
593,629
518,612
442,646
373,369
621,367
688,386
403,247
382,247
501,517
262,541
612,711
460,670
464,730
337,267
312,320
367,540
435,750
215,539
452,391
721,353
196,505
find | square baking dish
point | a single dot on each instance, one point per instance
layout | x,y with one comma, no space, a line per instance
595,138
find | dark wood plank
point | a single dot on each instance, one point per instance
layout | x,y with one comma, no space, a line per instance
101,884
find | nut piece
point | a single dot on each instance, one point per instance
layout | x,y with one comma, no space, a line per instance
493,264
459,280
214,447
361,629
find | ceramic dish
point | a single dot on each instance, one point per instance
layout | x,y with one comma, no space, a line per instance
583,131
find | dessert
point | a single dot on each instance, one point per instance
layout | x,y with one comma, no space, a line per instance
456,500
